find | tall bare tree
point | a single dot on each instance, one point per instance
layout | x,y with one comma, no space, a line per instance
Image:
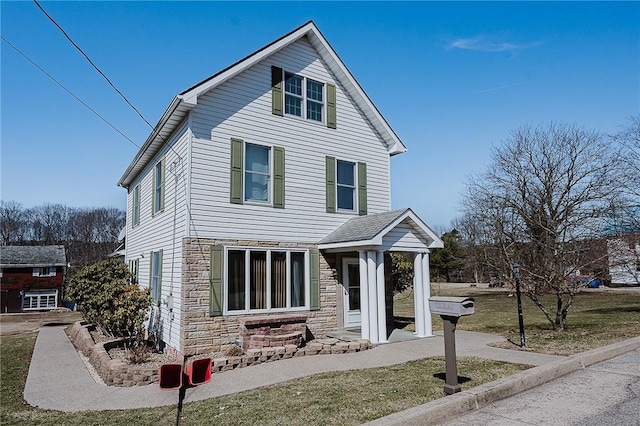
546,194
626,211
13,222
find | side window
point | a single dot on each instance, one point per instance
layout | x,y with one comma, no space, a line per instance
136,205
133,268
158,187
156,275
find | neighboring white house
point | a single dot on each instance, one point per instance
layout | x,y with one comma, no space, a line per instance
624,260
264,190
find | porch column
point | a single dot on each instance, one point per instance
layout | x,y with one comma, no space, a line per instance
426,285
373,296
418,295
364,296
382,305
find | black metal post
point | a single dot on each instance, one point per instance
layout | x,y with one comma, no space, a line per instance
516,275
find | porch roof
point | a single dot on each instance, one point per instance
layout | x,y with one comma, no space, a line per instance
400,230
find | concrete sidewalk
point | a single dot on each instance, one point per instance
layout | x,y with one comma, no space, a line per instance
58,378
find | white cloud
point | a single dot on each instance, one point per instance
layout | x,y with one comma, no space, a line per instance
482,44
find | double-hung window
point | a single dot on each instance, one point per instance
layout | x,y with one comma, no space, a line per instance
257,173
156,275
266,280
158,187
303,97
136,205
346,185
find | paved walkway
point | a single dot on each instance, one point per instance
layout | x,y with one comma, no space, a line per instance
58,378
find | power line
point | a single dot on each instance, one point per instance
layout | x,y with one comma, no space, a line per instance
68,91
92,64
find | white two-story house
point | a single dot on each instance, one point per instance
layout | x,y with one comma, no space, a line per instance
264,191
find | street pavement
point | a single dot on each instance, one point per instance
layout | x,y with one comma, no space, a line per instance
606,393
58,378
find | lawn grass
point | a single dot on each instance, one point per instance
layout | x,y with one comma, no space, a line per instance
595,319
348,398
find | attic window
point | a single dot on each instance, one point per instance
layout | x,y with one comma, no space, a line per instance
303,97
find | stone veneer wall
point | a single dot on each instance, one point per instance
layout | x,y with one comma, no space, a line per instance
202,334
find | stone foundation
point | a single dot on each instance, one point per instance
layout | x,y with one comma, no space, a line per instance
201,334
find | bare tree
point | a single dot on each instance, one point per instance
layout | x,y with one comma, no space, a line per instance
626,209
13,222
544,197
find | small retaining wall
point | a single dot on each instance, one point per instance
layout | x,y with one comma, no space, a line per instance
115,372
112,371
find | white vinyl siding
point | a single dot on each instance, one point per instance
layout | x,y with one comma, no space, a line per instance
156,232
241,108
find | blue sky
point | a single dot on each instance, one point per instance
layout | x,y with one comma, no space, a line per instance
452,79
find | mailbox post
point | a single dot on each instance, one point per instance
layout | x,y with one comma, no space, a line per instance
450,310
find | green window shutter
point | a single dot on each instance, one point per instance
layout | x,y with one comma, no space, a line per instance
331,184
314,275
162,185
276,91
331,106
278,177
215,281
362,189
237,148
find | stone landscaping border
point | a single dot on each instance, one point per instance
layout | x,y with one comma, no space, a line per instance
115,372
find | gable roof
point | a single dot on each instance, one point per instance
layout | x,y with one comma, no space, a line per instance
368,231
32,256
187,100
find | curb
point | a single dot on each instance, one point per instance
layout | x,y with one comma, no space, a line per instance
443,409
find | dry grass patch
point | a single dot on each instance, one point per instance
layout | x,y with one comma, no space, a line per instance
596,318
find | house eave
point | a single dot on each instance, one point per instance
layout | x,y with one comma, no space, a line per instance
172,117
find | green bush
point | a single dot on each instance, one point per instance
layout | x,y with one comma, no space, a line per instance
107,299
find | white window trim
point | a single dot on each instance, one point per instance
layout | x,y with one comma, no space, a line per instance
156,199
247,266
355,187
156,263
304,98
51,271
269,201
40,295
136,206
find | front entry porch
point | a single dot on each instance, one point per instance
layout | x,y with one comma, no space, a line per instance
365,284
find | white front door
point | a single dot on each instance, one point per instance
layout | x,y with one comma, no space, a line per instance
351,282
